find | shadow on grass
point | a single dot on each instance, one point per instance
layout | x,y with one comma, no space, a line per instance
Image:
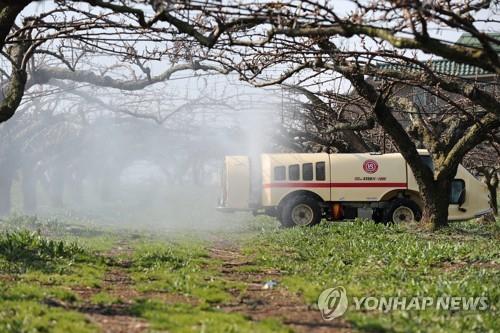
372,328
473,229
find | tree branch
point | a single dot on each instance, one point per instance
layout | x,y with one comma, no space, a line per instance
458,53
44,74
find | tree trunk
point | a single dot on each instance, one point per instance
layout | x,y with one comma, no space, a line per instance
435,194
77,188
9,9
14,91
491,180
196,172
356,142
492,183
29,190
493,197
56,186
5,194
106,187
435,214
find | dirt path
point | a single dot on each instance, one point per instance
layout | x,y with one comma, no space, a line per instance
254,302
259,303
115,317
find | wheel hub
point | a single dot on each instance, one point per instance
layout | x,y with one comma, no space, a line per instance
403,214
302,214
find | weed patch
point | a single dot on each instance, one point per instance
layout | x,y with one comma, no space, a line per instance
183,269
24,250
375,260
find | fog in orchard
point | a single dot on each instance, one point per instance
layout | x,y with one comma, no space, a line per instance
123,114
150,158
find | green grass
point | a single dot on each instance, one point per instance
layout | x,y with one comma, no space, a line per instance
23,251
180,287
375,260
183,269
36,273
29,316
183,318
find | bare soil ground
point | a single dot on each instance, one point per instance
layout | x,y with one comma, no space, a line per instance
115,317
258,303
254,302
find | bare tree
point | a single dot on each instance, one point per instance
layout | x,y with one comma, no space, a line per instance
333,122
272,43
70,42
68,140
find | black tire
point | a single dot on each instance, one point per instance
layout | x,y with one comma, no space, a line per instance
389,216
306,205
378,215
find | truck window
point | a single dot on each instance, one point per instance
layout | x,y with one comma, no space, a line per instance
280,173
457,187
307,171
320,171
294,172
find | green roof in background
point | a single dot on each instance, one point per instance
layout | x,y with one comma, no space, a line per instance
467,40
448,67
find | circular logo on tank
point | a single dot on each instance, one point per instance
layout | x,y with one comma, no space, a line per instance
370,166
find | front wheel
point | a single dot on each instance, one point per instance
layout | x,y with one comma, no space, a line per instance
301,211
402,211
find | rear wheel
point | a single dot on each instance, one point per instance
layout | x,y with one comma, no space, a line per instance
300,211
402,211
